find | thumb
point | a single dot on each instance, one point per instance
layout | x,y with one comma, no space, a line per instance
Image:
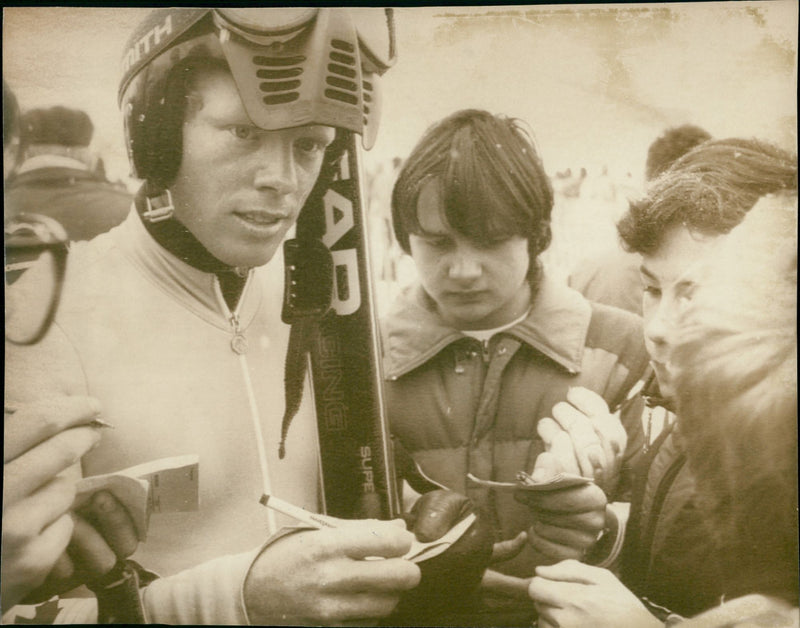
546,468
505,550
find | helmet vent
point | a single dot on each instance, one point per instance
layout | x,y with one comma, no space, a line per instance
366,94
280,78
342,73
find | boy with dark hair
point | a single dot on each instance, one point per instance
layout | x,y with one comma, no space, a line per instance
487,347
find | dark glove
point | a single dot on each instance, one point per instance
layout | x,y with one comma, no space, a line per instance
450,580
118,593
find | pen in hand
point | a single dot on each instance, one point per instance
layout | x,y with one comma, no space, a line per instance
300,514
9,409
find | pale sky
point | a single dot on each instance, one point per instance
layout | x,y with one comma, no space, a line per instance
596,83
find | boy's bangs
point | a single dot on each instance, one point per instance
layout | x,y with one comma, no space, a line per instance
479,202
479,215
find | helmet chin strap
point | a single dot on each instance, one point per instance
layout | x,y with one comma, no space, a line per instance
171,234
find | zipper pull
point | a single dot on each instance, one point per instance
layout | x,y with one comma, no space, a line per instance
238,342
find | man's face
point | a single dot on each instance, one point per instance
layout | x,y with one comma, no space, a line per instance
240,188
473,287
668,279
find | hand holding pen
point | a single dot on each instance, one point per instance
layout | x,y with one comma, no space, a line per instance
42,439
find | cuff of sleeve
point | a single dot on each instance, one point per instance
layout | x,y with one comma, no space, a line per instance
211,593
207,594
608,548
285,531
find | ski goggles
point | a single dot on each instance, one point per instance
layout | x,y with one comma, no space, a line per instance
292,67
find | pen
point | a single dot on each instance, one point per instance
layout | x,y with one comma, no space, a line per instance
9,409
300,514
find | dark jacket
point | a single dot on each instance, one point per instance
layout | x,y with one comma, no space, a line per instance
84,204
458,406
668,556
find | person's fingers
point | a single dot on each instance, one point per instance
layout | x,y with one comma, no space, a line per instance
500,583
52,541
587,401
573,571
399,522
547,592
591,521
545,468
31,515
610,430
29,424
32,562
566,415
545,619
562,449
89,551
547,428
585,442
63,568
112,521
62,577
577,539
381,576
584,498
31,470
552,550
608,427
610,446
505,550
373,538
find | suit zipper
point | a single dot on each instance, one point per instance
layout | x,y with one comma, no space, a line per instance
239,347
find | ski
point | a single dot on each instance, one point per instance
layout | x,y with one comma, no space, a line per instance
329,294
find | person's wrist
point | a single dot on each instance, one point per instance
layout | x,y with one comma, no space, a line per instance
251,594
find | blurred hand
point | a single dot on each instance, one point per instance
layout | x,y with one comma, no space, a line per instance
494,582
103,534
562,456
41,539
566,522
41,440
598,437
329,576
572,595
587,410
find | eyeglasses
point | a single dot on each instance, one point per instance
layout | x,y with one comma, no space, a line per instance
35,245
